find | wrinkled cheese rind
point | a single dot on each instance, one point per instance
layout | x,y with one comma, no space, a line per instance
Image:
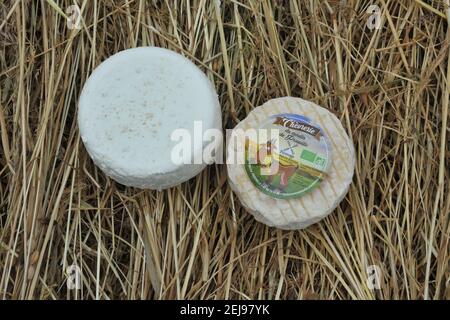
131,105
301,212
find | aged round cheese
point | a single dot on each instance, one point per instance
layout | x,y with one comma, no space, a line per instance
313,157
130,108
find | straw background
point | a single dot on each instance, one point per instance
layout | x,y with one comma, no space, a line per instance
389,87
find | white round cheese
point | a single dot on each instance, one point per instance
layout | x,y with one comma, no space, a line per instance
315,164
131,105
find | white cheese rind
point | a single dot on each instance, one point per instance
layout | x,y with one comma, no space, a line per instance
131,105
301,212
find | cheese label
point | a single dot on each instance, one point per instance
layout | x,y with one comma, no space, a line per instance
293,162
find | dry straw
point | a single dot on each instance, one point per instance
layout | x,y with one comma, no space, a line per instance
389,86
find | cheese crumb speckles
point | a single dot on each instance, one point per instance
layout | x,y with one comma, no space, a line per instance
314,204
130,106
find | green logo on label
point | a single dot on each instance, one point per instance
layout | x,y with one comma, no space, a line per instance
308,155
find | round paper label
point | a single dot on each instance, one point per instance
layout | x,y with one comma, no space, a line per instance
288,157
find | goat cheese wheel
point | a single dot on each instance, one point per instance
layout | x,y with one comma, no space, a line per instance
134,110
315,161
